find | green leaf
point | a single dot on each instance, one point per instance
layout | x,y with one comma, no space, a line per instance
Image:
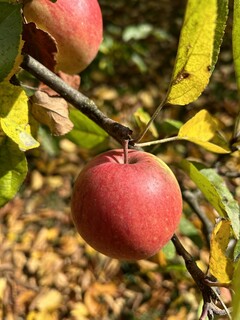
236,295
228,204
169,251
236,253
221,267
137,32
222,15
216,192
170,126
10,40
14,117
236,40
188,229
201,129
195,52
13,170
85,133
142,118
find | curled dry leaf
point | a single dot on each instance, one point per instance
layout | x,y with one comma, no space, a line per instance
52,112
44,48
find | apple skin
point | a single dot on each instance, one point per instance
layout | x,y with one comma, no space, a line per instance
75,25
126,211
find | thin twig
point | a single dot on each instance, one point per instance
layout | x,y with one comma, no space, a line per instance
209,297
154,116
77,99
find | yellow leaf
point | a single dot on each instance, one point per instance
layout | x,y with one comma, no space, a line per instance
42,315
236,295
14,119
201,129
3,285
95,298
220,265
142,118
194,57
80,311
49,301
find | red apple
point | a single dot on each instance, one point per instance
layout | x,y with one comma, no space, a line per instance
126,211
75,25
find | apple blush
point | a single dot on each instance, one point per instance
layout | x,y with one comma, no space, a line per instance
75,25
126,211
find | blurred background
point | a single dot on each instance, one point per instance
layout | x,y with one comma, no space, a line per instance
47,271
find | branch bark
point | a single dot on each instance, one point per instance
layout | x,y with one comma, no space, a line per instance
77,99
209,297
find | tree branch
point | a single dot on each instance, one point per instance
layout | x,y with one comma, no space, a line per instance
77,99
209,297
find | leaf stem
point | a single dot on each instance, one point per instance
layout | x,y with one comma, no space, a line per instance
150,143
154,116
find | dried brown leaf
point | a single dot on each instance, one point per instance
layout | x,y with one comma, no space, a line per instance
44,48
52,112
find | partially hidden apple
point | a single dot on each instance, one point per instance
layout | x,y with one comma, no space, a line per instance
75,25
126,211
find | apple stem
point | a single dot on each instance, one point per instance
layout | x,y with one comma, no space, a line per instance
125,150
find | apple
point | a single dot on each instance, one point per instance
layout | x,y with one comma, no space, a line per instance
75,25
127,211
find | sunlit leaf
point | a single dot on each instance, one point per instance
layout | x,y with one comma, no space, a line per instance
222,15
13,170
169,251
201,129
236,40
227,202
220,265
52,112
216,192
188,229
3,286
85,133
14,118
195,52
236,295
42,315
80,311
236,254
137,32
10,40
49,301
236,60
96,306
142,118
